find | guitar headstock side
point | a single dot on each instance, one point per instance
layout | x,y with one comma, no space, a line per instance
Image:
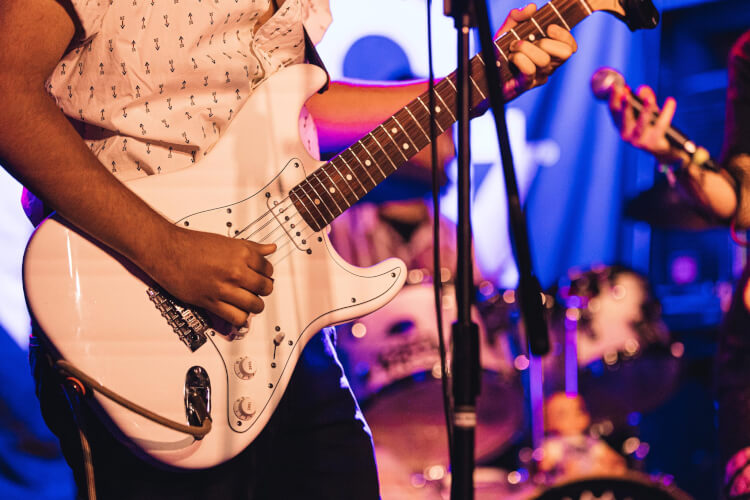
637,14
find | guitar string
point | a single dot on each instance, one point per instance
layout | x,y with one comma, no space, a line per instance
543,17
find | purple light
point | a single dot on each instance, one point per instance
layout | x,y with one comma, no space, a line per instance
684,269
574,301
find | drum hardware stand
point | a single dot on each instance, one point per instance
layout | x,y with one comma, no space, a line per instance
466,373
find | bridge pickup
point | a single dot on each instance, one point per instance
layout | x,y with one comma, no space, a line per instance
189,326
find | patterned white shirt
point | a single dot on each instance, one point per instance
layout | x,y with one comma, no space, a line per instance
155,82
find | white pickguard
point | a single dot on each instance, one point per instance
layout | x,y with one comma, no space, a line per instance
93,307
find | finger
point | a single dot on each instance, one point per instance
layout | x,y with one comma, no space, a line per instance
560,34
665,117
257,262
256,283
538,57
516,16
525,65
645,118
230,313
241,299
616,104
647,95
263,248
556,49
628,124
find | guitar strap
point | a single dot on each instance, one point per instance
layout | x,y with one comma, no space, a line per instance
311,53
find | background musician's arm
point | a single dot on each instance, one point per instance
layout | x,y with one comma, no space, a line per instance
716,192
40,148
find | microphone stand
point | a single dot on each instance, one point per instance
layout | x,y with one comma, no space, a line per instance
466,369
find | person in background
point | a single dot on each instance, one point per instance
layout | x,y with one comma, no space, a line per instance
726,196
569,452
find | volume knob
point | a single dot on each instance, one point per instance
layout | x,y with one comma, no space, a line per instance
244,409
244,368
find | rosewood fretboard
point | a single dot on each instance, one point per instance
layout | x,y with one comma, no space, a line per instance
329,191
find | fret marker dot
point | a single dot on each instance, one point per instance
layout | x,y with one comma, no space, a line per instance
332,190
368,162
406,146
532,37
317,201
437,109
394,130
348,177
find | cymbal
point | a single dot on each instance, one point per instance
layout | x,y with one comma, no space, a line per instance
662,206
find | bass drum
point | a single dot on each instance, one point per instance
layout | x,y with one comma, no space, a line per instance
631,486
392,361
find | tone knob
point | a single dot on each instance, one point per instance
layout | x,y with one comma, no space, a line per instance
244,368
244,409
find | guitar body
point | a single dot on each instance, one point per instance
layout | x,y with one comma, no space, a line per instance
101,314
95,311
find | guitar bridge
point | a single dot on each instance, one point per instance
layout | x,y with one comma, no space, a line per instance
189,326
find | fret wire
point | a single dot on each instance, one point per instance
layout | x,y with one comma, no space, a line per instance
477,87
322,217
446,106
453,86
575,10
558,14
541,31
336,189
586,6
418,125
499,49
313,176
383,150
374,161
428,114
405,133
394,142
353,174
317,176
302,205
412,129
345,182
356,156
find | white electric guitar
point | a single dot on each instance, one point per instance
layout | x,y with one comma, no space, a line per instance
108,321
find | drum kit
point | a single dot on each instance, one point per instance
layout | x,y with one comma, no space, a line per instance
608,346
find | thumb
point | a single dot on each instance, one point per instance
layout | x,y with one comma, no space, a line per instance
264,248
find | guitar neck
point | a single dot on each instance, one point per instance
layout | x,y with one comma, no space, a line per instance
345,179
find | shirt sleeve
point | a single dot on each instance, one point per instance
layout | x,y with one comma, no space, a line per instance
316,16
90,14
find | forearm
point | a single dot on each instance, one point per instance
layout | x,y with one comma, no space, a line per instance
714,191
349,110
41,149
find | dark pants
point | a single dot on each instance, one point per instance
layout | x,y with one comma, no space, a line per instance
316,444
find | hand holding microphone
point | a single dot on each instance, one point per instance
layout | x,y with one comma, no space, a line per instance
643,125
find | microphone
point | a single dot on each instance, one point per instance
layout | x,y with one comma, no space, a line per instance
605,80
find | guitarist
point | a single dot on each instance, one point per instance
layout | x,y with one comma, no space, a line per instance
726,195
96,92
